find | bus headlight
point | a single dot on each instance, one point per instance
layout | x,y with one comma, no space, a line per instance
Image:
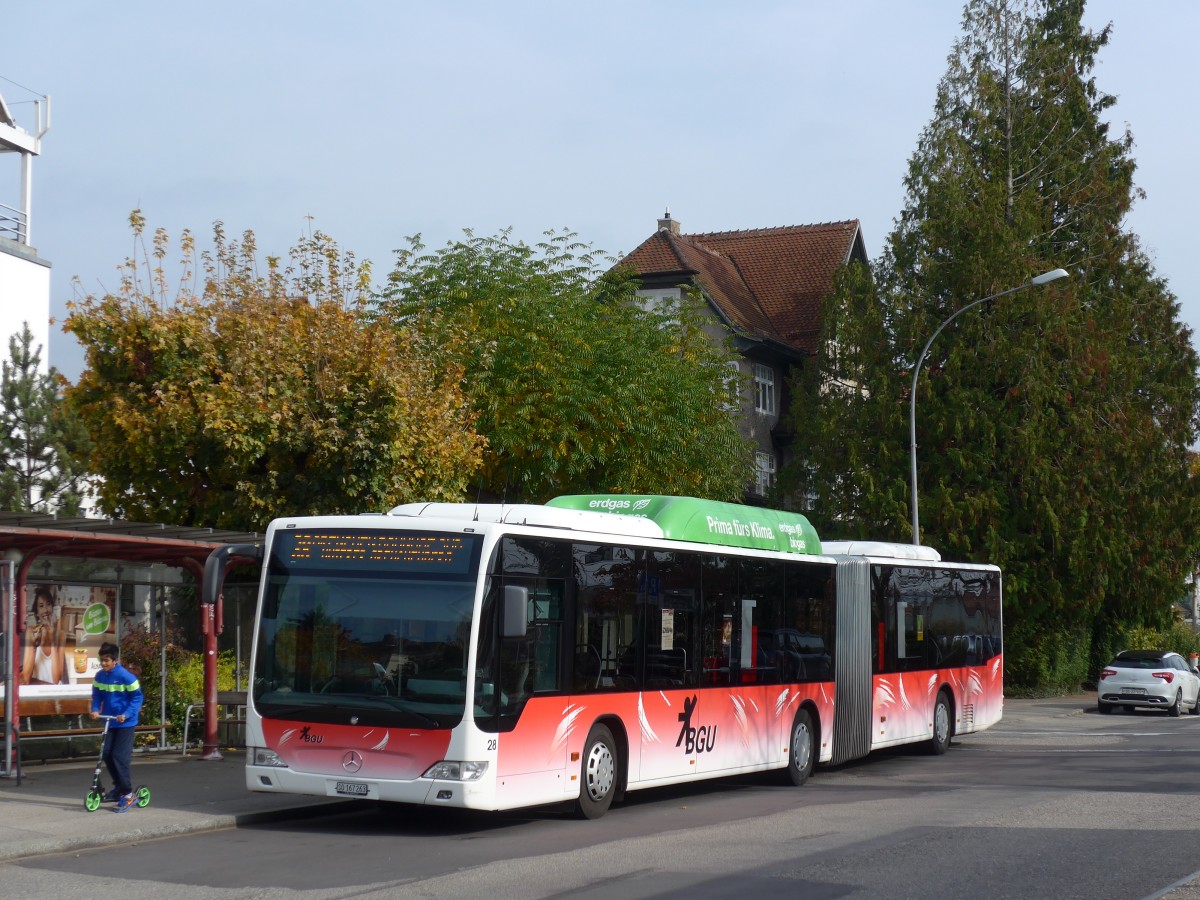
457,770
261,756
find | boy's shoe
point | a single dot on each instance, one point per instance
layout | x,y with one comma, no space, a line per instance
112,796
126,803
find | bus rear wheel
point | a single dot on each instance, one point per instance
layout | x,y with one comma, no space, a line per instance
941,725
801,749
598,776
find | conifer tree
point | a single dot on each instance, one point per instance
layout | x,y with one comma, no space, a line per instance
1053,424
42,444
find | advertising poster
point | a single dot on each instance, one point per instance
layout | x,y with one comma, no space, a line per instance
65,624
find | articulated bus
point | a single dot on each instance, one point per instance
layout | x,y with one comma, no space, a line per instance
500,656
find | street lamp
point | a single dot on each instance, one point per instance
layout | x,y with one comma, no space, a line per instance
1044,278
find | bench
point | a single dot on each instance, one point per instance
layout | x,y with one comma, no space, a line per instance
77,707
81,732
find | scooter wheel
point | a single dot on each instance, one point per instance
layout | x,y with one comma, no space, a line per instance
93,800
143,796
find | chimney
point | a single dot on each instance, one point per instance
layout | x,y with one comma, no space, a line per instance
666,223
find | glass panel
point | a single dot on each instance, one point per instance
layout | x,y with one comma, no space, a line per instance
610,582
720,659
761,590
935,618
672,621
807,638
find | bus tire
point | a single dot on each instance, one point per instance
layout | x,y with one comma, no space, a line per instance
802,749
598,775
942,725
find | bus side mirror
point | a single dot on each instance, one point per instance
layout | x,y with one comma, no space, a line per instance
218,562
516,611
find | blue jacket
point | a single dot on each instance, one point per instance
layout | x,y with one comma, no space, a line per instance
116,693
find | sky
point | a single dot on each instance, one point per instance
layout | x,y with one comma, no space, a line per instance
373,121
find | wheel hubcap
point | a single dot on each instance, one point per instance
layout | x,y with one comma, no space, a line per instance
599,772
801,748
941,723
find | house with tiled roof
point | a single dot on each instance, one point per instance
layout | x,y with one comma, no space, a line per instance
765,287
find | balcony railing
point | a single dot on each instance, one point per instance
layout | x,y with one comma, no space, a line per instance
14,224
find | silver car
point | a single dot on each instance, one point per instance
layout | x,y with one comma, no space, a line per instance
1153,679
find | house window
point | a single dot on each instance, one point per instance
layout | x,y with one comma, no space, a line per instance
764,389
764,472
664,303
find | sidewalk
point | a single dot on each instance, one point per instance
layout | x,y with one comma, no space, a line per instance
45,814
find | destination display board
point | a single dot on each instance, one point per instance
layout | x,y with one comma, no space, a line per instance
410,551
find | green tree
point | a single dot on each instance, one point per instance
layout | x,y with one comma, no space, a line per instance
261,395
42,444
1054,424
576,386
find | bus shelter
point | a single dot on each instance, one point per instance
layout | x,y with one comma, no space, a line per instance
89,614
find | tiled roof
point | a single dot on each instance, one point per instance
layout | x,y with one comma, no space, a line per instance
768,282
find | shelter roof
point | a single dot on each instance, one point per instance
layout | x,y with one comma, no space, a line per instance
112,538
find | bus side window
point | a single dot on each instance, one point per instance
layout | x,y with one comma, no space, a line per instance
672,626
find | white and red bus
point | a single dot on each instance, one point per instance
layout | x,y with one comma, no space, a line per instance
493,657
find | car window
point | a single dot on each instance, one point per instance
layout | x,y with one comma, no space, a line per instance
1137,662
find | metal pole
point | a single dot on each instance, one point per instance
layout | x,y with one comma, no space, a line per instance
912,395
237,669
162,663
8,585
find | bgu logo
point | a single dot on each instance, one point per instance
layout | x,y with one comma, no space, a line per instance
310,738
695,740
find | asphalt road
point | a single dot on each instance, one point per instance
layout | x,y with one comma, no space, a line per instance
1057,801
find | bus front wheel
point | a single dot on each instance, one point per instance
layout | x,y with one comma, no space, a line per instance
801,749
598,774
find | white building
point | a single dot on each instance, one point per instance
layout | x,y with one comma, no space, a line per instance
24,276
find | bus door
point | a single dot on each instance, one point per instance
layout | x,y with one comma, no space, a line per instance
670,633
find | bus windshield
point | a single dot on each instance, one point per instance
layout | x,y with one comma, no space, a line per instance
369,627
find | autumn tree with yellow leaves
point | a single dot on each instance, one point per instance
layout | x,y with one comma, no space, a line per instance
235,396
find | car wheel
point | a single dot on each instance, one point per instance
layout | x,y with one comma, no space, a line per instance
1105,708
599,774
1177,706
942,725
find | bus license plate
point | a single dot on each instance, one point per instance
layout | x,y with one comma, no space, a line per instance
353,788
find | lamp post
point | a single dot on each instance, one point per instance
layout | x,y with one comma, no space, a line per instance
1044,278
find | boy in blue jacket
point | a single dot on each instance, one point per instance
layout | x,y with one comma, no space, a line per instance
116,692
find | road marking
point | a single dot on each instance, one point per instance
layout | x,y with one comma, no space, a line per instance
1185,880
1079,733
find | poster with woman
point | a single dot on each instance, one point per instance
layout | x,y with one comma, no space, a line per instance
65,624
45,646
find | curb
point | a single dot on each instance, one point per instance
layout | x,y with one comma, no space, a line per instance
203,822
